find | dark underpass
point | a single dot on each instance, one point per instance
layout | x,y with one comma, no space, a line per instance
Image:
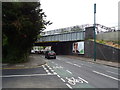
61,48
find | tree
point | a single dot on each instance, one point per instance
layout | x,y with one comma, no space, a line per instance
22,22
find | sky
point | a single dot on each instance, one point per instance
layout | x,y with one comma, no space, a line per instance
66,13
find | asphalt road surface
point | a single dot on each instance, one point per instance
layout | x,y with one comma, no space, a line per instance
63,72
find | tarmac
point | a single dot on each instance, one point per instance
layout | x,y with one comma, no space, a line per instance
36,61
98,61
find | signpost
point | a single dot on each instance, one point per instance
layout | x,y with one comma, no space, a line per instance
94,32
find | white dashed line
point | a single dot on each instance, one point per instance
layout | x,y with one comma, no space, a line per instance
58,76
52,70
69,71
62,79
106,75
77,65
69,86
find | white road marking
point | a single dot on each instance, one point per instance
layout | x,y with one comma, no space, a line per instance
46,69
69,71
26,75
90,62
113,72
69,62
57,67
69,86
62,79
54,73
58,76
77,65
106,75
83,79
52,70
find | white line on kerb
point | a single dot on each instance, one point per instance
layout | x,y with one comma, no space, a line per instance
69,86
106,75
69,71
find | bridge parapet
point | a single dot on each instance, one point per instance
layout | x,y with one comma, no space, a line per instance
76,28
71,36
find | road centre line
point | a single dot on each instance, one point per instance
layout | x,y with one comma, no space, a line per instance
27,75
106,75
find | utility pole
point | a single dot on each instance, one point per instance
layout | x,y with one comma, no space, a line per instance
94,32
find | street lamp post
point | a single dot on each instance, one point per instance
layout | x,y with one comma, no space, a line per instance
94,32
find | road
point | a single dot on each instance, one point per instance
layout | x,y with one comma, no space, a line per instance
63,72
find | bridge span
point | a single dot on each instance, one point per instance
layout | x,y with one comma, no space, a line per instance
62,43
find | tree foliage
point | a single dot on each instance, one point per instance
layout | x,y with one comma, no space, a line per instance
21,23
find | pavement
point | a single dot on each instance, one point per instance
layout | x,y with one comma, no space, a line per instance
36,61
